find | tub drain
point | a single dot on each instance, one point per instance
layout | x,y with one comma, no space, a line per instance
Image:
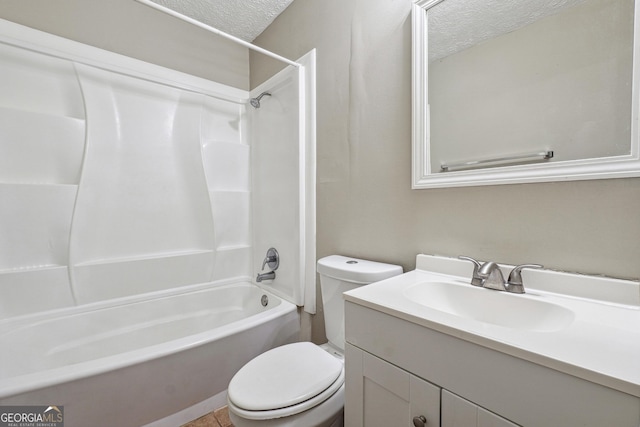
264,300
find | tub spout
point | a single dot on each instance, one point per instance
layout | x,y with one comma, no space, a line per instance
266,276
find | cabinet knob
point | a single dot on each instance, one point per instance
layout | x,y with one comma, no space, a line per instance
419,421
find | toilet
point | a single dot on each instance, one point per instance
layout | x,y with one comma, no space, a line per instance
302,384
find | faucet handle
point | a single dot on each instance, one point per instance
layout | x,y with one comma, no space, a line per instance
272,259
514,282
476,279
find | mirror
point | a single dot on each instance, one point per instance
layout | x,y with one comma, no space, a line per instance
524,91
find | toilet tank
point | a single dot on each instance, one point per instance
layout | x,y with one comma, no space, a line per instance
339,274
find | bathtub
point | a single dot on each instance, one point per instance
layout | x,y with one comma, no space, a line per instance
132,361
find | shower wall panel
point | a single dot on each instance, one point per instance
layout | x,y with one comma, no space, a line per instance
143,193
115,180
226,159
42,142
276,169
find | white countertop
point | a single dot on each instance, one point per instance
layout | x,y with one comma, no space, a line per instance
600,344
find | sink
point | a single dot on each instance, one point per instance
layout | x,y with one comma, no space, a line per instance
579,325
524,312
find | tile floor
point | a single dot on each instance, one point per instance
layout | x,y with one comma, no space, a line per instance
217,418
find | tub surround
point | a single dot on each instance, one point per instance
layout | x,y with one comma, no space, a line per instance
132,199
122,178
127,268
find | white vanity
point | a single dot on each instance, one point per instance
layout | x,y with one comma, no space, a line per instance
428,348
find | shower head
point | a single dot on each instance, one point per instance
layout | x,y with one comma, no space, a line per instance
255,102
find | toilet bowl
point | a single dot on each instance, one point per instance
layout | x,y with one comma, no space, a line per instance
302,384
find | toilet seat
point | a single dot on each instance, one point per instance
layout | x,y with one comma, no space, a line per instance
285,381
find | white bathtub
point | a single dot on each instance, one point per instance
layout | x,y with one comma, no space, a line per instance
132,361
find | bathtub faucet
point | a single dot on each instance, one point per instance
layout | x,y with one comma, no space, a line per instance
272,260
266,276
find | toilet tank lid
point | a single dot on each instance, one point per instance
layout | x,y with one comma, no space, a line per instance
356,270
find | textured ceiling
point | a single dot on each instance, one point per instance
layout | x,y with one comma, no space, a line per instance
245,19
455,25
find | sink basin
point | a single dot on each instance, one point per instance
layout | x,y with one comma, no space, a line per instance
583,326
524,312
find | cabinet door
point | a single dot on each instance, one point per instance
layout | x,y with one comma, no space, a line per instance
379,394
458,412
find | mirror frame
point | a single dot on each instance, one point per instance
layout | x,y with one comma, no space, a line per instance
570,170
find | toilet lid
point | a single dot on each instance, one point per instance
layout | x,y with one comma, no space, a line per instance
284,376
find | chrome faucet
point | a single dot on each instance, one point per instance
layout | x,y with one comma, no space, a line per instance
514,283
489,275
476,279
492,276
272,260
266,276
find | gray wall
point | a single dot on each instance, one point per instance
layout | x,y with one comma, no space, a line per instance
365,205
130,28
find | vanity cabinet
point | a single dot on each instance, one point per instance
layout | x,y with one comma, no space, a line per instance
459,412
380,394
397,369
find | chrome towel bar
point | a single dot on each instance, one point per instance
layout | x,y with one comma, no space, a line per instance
538,156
